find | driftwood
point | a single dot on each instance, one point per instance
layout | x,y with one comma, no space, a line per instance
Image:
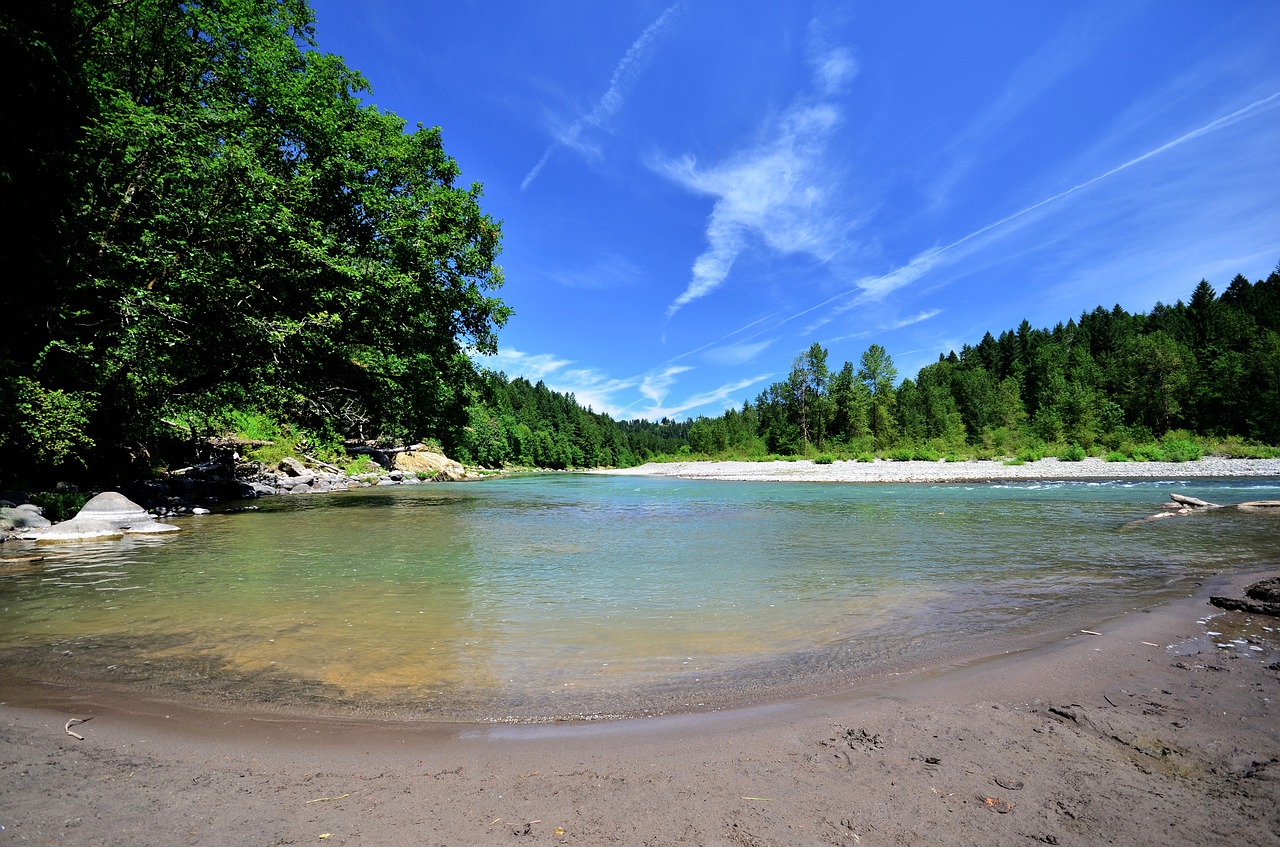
1181,504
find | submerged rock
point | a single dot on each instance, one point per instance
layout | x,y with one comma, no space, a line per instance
78,529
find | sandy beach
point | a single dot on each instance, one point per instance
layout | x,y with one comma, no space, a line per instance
1158,726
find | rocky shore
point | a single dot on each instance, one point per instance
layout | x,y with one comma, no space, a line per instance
197,488
882,470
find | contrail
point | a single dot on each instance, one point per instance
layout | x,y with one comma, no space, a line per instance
627,70
927,259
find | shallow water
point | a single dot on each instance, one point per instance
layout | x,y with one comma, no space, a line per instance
553,596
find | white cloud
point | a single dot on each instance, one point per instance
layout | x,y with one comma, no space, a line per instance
625,74
531,366
715,397
778,193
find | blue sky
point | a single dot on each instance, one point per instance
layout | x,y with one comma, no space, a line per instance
694,192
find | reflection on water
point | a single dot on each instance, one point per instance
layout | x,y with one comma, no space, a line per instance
571,595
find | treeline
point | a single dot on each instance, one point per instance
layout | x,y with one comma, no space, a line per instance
1108,381
205,222
517,423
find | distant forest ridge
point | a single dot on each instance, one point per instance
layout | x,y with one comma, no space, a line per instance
1109,382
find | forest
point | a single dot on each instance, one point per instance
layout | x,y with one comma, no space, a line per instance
1169,384
213,235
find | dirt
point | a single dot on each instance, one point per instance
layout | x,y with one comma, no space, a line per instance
1146,733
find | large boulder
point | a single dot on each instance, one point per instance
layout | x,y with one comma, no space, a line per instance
26,516
112,507
435,465
78,529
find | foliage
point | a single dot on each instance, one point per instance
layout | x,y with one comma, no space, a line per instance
221,222
1074,453
1135,386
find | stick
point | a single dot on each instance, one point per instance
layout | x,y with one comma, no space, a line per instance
1090,632
1108,699
73,722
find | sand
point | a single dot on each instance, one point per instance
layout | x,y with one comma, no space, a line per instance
1144,733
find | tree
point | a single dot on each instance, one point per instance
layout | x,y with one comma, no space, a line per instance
1157,372
242,230
877,372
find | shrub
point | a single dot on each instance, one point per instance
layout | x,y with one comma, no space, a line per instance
362,464
901,454
1117,456
1074,453
1182,451
823,459
1014,462
925,454
866,457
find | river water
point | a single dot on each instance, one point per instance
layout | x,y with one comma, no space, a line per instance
557,596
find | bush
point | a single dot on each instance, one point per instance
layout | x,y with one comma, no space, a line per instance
901,454
1074,453
1182,451
361,465
925,454
866,457
823,459
1117,456
1030,454
1147,453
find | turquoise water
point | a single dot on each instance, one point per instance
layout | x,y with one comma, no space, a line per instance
567,596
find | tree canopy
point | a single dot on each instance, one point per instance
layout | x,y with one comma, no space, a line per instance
211,218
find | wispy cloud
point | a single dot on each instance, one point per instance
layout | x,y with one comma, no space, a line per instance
712,398
737,354
531,366
777,193
625,74
607,271
879,286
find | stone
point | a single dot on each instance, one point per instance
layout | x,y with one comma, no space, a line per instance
113,507
431,463
77,529
24,517
293,467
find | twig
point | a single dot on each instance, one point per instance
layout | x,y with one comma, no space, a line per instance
73,722
1090,632
322,799
1108,699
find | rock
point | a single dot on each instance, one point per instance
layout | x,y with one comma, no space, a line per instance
293,467
24,517
261,489
109,507
301,488
199,510
113,507
1268,506
433,464
78,529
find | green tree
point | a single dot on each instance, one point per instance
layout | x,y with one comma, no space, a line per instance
877,373
243,230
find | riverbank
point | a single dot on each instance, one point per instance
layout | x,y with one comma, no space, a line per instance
882,470
1141,731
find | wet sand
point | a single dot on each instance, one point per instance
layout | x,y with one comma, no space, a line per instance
1145,733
